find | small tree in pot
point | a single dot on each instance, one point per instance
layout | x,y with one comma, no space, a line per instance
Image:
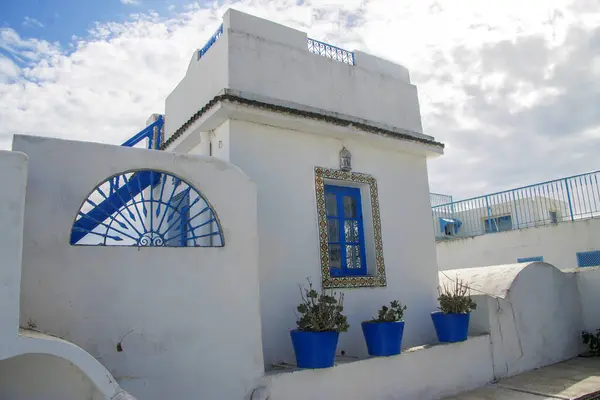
383,333
320,321
452,321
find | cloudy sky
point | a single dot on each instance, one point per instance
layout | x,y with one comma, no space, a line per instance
512,88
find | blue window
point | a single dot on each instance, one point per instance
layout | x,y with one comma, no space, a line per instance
498,224
345,236
588,258
530,259
177,231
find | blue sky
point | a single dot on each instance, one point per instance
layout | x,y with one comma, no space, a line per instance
60,20
512,88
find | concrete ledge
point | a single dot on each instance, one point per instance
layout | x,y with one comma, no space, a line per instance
418,373
255,26
380,65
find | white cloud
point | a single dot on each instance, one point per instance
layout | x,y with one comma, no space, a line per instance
32,22
130,2
493,79
8,70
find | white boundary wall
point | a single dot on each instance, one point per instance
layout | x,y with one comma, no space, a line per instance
588,281
558,244
188,318
431,373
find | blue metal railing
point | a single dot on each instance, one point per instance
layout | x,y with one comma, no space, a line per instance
566,199
329,51
210,42
437,199
152,132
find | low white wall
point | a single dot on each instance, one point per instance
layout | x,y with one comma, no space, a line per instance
187,318
430,373
13,175
588,281
533,313
558,244
44,377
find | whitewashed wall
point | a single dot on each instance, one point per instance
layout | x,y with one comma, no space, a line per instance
282,163
13,175
187,317
588,282
557,243
44,377
272,61
532,311
424,374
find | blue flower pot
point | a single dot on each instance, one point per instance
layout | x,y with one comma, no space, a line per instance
451,328
383,338
314,349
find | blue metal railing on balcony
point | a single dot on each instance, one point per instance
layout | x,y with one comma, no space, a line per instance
210,42
566,199
329,51
437,199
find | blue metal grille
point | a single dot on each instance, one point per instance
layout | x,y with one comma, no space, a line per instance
588,258
210,42
146,208
329,51
530,259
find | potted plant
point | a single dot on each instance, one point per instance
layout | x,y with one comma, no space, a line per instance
383,333
452,321
320,321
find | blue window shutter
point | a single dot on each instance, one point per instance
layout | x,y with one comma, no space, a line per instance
345,231
588,258
530,259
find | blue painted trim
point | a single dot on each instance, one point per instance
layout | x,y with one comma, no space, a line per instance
489,212
516,210
569,198
530,259
588,258
340,192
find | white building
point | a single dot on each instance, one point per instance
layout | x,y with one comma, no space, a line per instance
174,273
551,221
283,114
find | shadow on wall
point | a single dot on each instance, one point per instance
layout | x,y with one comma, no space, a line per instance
531,310
44,377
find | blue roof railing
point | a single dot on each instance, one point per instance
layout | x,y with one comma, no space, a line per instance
210,42
551,202
330,51
152,132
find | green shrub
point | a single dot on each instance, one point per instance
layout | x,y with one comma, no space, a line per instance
592,340
393,313
321,312
456,298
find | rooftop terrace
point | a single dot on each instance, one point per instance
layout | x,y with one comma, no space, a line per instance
561,200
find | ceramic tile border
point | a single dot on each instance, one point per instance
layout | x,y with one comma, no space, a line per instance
327,281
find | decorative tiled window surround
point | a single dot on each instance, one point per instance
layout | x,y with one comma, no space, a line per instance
376,276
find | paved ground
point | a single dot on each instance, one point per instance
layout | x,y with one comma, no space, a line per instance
567,380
